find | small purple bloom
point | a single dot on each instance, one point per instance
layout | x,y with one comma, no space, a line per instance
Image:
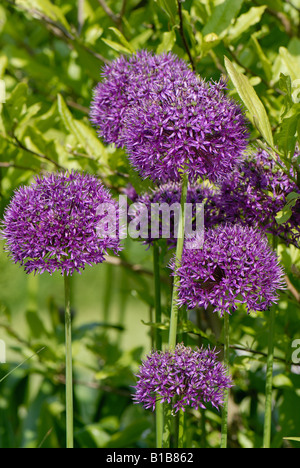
256,192
53,223
169,195
185,377
235,266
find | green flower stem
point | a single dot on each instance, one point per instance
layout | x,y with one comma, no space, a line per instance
179,250
269,373
167,425
224,429
159,415
175,307
69,372
269,381
181,429
159,407
157,295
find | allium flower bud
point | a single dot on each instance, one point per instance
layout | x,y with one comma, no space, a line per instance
234,266
53,223
185,377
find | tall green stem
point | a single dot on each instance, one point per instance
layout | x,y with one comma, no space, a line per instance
269,381
181,429
179,250
175,307
159,416
69,372
159,408
269,373
224,430
157,295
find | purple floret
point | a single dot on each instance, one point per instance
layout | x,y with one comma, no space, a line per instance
128,80
234,266
170,195
185,377
256,192
53,223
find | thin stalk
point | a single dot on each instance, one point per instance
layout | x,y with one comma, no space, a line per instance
159,415
269,372
175,307
203,429
159,407
181,429
157,295
167,425
179,250
224,429
269,382
69,371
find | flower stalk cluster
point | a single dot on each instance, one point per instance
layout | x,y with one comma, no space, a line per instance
190,138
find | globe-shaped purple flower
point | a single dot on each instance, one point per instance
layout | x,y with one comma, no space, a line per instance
185,377
256,192
234,266
128,80
185,127
57,223
163,210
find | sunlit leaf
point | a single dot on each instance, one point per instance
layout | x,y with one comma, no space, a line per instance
222,16
252,102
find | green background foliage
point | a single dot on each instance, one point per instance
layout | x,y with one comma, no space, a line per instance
51,55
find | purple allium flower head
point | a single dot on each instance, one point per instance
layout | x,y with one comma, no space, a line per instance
126,81
53,224
256,192
185,126
234,266
193,376
163,209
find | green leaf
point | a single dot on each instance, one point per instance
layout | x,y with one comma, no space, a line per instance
222,17
122,39
284,215
189,327
83,133
168,41
46,8
291,62
89,62
116,46
2,92
16,100
205,44
282,380
285,137
36,325
295,439
244,22
12,109
252,102
170,8
131,433
265,62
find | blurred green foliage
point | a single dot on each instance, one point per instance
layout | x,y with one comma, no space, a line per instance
51,54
